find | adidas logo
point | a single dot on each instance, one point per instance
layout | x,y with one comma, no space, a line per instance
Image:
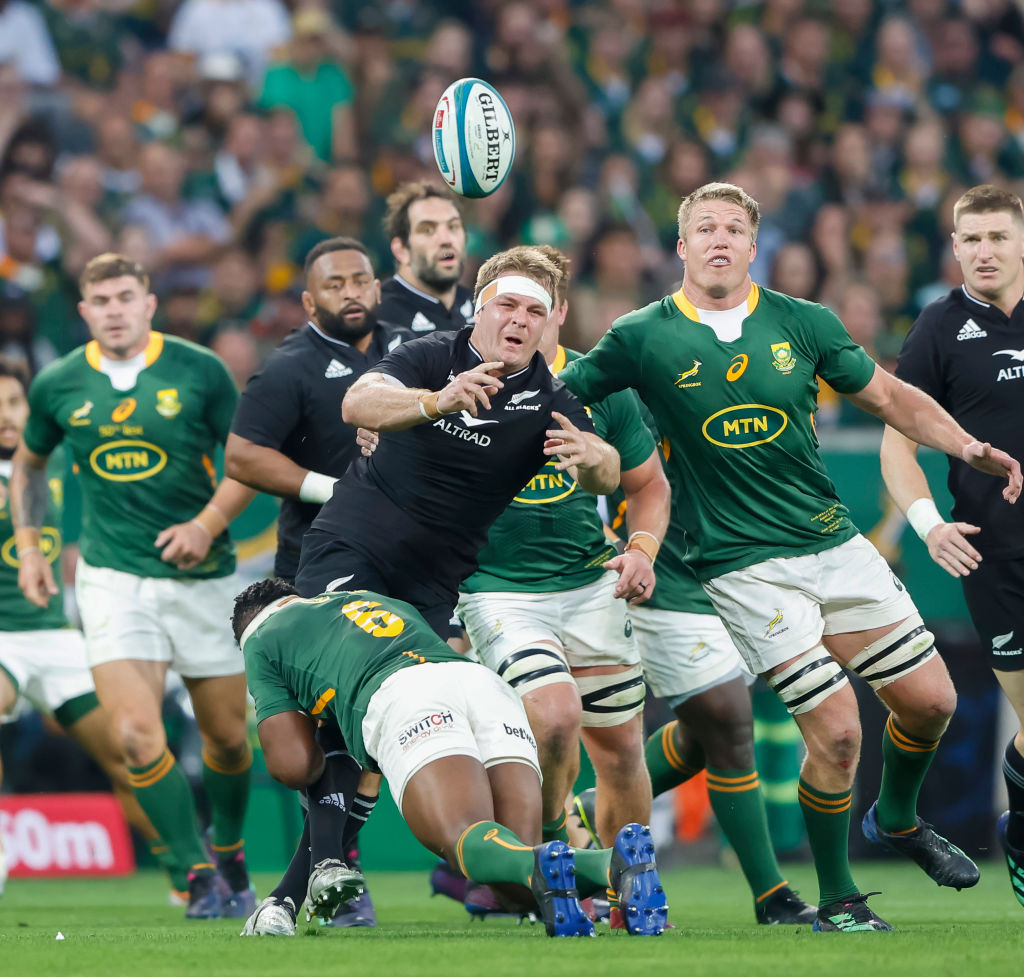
336,369
970,330
420,323
333,800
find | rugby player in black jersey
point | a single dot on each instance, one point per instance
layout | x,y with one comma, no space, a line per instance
966,350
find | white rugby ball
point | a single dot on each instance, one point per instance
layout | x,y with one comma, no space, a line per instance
474,138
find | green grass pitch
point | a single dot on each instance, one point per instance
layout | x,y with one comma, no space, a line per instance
123,928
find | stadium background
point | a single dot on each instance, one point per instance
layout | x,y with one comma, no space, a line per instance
217,140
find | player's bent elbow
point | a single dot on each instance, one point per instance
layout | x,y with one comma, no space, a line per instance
293,760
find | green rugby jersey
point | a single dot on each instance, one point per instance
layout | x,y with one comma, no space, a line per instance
737,420
551,537
144,455
17,613
327,655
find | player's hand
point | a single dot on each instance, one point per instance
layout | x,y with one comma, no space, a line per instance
185,544
367,440
35,578
569,443
636,575
471,388
992,461
949,547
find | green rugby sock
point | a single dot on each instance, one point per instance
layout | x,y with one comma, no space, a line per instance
736,799
165,796
489,852
592,869
178,873
828,830
905,761
556,830
228,791
665,762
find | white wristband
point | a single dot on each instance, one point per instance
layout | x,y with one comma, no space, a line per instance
924,517
316,487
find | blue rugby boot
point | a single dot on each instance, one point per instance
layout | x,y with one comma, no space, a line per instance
634,876
554,887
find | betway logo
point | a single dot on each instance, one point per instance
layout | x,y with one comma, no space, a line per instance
37,844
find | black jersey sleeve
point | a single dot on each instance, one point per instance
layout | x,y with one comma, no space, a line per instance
919,362
422,362
271,405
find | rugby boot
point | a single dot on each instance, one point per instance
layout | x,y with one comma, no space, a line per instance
785,908
554,887
332,884
1014,858
360,911
850,915
941,860
241,900
445,881
206,893
633,874
272,917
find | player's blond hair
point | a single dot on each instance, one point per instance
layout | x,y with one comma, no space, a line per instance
988,199
719,191
563,263
521,260
111,265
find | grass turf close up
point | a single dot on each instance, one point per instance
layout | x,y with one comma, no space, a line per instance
123,928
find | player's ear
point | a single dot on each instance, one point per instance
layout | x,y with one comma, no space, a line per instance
681,249
376,289
308,304
399,251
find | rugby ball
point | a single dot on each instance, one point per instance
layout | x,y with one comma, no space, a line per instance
474,138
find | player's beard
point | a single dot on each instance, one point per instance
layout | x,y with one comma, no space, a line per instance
334,324
434,277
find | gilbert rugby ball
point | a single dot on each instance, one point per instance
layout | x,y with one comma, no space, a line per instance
474,138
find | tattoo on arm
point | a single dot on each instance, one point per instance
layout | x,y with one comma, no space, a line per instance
28,507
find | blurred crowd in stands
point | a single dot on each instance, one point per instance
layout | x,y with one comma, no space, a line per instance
217,141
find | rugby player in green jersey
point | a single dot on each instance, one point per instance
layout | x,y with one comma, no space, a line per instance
42,658
728,370
142,415
451,738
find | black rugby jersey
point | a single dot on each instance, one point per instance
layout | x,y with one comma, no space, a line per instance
421,313
293,405
424,500
970,357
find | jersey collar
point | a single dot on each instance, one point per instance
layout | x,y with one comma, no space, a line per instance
559,361
325,337
423,295
971,298
261,617
155,346
688,309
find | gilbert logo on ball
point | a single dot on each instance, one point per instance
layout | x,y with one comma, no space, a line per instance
474,138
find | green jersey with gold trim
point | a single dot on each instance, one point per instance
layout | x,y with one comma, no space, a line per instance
327,655
737,419
551,537
17,613
144,452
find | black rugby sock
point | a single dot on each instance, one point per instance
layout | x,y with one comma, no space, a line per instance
296,875
330,799
1013,773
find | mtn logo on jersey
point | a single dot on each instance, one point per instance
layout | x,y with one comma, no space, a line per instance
49,546
970,330
127,461
1010,372
782,357
420,323
515,402
548,485
336,370
745,425
686,374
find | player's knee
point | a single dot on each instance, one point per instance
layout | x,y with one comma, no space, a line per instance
139,737
612,699
554,712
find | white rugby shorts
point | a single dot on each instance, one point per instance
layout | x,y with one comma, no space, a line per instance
439,709
49,667
778,609
186,623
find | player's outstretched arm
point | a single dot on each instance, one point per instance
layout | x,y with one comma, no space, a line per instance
268,470
594,462
647,511
947,542
378,403
917,416
29,496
